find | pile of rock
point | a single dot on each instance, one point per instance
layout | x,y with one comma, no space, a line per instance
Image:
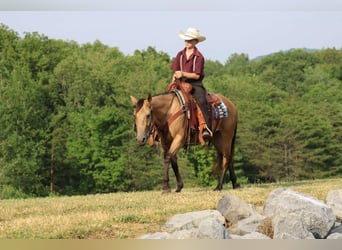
286,214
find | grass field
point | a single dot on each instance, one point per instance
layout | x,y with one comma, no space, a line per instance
126,215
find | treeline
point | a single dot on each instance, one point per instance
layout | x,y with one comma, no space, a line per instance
66,117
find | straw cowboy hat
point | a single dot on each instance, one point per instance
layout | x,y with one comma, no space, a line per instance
191,33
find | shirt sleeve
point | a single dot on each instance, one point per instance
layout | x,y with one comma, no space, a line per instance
199,66
176,63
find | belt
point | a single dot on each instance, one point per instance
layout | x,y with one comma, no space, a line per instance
189,80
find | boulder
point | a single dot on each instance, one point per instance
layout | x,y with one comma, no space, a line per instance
234,209
155,236
297,215
191,220
335,236
290,227
286,215
334,200
251,236
247,225
212,229
207,224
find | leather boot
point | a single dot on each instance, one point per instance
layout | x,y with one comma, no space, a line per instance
204,131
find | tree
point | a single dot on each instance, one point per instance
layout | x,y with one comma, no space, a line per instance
24,127
285,69
238,64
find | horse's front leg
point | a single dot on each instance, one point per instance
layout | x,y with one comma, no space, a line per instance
176,144
166,185
175,168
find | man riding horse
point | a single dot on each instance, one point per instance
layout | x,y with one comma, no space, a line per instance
170,115
188,66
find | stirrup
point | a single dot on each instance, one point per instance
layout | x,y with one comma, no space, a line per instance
207,134
204,133
207,131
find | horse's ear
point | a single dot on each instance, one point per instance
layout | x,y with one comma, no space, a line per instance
149,98
134,100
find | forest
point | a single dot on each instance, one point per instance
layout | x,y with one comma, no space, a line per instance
66,119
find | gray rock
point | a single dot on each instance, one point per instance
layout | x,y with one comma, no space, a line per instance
191,220
251,236
206,224
184,234
289,214
334,200
248,225
336,229
234,209
155,236
290,227
293,210
335,236
212,229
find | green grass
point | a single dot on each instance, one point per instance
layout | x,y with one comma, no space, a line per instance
126,215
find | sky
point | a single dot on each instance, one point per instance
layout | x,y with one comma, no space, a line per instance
253,27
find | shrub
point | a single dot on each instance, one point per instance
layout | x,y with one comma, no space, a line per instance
9,192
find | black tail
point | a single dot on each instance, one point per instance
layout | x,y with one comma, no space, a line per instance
233,143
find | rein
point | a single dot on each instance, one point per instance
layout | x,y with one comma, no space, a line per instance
179,112
173,117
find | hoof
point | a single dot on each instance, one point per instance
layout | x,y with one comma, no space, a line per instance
179,188
166,191
236,185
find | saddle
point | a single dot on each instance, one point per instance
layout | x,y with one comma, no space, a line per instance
196,117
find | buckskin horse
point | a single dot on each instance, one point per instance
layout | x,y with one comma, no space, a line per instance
170,117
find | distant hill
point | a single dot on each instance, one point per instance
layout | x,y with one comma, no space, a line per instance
284,51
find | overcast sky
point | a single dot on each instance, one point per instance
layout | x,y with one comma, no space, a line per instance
256,27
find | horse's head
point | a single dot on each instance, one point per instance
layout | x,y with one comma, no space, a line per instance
143,123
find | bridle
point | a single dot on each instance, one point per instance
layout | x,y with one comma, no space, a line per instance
150,120
168,122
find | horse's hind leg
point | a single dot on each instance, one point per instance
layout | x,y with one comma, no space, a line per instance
218,167
231,163
232,173
226,162
177,174
224,168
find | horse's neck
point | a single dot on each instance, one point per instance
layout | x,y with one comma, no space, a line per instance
162,106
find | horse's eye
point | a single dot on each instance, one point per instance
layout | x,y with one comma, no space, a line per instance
148,116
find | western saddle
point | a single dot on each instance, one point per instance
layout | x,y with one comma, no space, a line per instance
196,117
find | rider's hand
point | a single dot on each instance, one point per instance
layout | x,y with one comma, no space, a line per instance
178,74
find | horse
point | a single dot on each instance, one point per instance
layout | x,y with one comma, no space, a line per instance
160,112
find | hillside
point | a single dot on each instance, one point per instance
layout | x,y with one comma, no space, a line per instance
125,215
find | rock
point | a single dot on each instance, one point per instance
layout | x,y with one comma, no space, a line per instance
334,200
184,234
206,224
191,220
290,227
212,229
247,225
234,209
155,236
335,236
297,215
337,229
251,236
286,215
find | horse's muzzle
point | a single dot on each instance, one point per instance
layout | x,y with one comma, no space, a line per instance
141,140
